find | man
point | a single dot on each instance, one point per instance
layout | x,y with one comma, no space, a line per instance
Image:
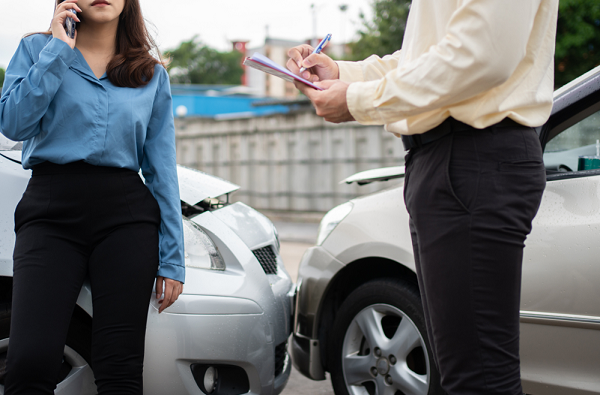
471,81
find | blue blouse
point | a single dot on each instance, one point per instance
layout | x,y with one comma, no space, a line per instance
53,102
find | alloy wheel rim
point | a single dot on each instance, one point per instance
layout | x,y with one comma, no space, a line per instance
378,359
80,380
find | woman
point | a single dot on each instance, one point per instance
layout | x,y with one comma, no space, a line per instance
91,111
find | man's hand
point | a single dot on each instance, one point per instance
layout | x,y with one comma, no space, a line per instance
319,66
173,289
330,103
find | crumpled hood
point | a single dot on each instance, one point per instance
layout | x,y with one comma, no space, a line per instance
195,186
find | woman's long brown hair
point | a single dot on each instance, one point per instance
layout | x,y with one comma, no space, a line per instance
133,63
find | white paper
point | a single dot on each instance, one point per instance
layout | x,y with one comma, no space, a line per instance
264,64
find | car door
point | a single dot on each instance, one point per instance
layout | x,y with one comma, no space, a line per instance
560,304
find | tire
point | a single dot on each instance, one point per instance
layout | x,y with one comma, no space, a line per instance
76,375
379,343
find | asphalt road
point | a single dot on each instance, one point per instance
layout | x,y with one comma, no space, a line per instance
291,253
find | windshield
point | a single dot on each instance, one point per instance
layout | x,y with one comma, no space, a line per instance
9,145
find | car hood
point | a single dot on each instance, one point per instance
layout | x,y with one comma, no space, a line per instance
194,185
382,174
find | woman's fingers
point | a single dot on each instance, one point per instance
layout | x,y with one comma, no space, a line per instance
58,22
67,14
159,286
173,289
66,5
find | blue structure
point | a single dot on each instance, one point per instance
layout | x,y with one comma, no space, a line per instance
217,101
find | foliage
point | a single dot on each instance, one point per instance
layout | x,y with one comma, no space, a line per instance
195,63
383,35
2,71
577,39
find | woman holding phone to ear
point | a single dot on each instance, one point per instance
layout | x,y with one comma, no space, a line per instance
92,110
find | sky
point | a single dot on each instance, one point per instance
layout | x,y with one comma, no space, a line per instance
216,22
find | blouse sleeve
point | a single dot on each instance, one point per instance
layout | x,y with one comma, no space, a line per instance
29,87
159,169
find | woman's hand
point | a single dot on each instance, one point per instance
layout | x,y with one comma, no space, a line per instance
173,289
60,15
319,67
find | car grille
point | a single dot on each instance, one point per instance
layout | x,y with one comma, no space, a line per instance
267,259
280,358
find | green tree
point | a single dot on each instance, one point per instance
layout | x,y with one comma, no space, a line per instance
2,71
383,35
195,63
577,39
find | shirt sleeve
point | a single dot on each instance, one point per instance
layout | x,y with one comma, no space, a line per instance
479,51
159,169
30,87
370,69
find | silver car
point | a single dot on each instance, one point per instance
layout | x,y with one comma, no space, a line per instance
358,309
226,334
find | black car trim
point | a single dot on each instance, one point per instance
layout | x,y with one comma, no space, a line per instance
572,174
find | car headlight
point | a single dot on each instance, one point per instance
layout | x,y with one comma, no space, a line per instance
332,219
277,243
200,251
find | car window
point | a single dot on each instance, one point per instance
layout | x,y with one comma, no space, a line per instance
576,148
9,145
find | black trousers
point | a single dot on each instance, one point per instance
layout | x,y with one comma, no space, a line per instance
74,221
471,196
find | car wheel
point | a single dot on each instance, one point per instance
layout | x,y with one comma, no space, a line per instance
76,376
379,343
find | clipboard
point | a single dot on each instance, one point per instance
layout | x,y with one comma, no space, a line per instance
266,65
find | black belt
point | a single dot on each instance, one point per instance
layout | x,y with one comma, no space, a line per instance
448,126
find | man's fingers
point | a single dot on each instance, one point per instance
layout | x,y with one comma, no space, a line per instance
315,59
292,66
295,56
326,84
299,53
307,90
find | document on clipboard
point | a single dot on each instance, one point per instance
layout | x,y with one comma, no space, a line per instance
264,64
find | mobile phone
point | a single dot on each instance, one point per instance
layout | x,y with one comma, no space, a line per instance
70,24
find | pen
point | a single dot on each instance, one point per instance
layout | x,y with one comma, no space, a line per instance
319,48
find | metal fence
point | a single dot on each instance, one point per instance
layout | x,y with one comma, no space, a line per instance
289,162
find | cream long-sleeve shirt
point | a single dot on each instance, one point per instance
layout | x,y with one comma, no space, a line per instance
477,61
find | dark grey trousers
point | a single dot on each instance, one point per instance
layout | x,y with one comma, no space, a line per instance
472,196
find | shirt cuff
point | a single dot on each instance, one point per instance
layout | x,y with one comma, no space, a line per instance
60,49
360,97
350,71
174,272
